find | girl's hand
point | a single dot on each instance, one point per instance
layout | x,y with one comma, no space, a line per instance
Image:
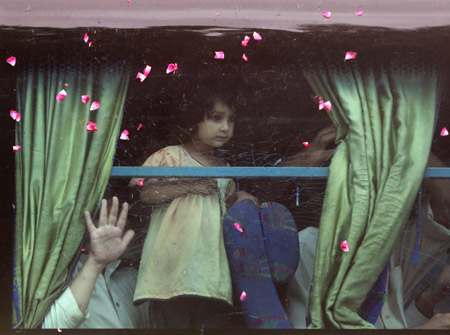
242,195
107,241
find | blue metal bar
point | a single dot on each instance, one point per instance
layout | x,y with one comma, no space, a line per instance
240,172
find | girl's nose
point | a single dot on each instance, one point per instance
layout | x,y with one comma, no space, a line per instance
224,126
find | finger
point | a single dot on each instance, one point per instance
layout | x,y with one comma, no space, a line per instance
126,239
89,224
112,218
102,217
123,216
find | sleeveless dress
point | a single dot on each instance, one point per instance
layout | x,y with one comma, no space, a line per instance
184,251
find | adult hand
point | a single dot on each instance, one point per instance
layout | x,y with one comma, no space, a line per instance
242,195
107,241
426,301
439,321
317,154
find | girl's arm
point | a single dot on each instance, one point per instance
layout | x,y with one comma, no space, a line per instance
154,192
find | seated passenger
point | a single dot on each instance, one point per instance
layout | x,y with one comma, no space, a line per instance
101,293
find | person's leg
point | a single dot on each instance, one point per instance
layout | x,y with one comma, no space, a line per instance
173,313
212,313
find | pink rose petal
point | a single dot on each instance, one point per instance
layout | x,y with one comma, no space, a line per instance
141,76
128,1
16,148
90,43
85,99
219,55
238,227
86,37
344,246
218,13
171,68
147,70
350,55
15,116
139,127
94,105
243,296
256,36
244,57
245,41
359,12
140,182
326,105
124,135
83,249
61,95
444,132
91,126
305,144
59,330
326,14
11,61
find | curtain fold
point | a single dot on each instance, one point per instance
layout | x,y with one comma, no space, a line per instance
384,117
61,170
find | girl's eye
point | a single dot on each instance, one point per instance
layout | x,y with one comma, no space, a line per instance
231,119
215,118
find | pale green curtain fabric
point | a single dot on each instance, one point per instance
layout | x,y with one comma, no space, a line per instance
385,117
61,171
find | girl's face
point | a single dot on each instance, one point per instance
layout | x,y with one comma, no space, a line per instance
216,129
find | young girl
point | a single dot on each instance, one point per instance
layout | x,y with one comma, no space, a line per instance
184,267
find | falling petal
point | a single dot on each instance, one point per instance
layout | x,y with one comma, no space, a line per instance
61,95
86,37
218,13
91,126
305,144
83,249
124,135
444,132
344,246
140,182
326,14
171,68
90,43
321,104
16,148
147,70
128,1
243,296
359,12
141,76
327,105
85,99
59,330
11,61
219,55
245,41
350,55
95,105
139,127
256,36
238,227
15,116
244,57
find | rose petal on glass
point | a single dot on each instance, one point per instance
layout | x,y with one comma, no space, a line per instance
344,246
15,116
86,37
350,55
327,105
219,55
444,132
11,61
218,13
94,105
85,99
326,14
245,41
128,1
171,68
321,104
243,296
16,148
140,182
359,12
256,36
305,144
147,70
90,43
244,57
83,249
124,135
91,126
141,76
139,127
61,95
238,227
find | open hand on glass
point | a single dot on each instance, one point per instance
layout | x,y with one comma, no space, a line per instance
317,153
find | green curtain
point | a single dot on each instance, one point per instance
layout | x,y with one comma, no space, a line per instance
384,116
61,171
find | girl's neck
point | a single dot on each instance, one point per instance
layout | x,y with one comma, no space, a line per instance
201,152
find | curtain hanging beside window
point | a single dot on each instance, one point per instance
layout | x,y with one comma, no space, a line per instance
61,170
384,113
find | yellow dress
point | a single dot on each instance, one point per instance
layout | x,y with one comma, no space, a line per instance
184,251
